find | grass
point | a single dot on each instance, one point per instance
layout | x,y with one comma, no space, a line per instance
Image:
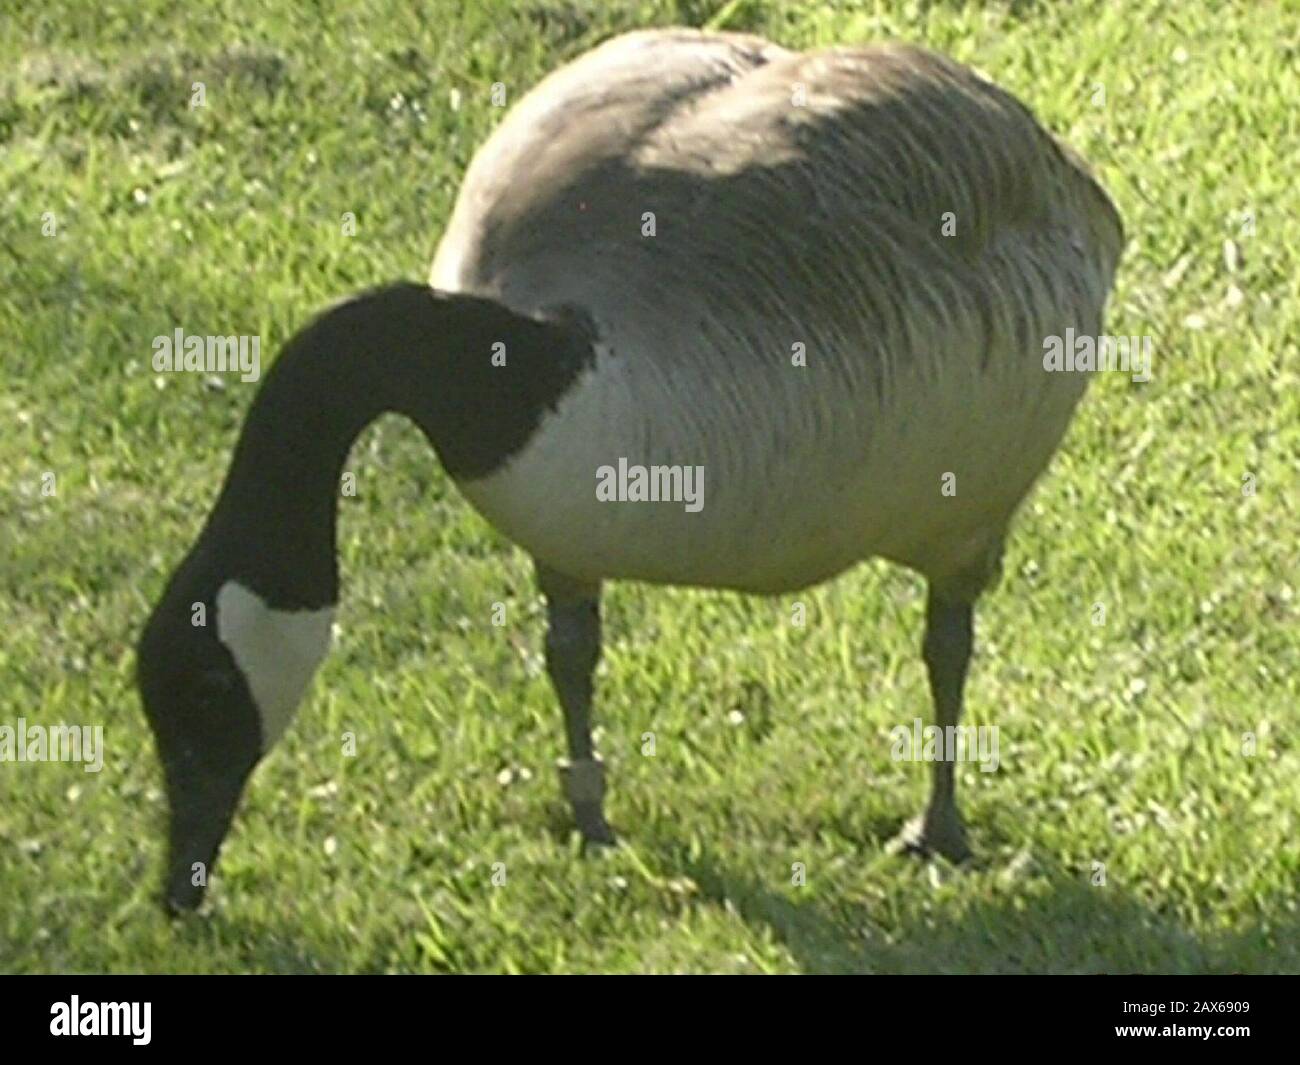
1121,743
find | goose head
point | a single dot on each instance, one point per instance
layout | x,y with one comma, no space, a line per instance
206,726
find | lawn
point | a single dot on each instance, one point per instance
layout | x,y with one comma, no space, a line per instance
1146,811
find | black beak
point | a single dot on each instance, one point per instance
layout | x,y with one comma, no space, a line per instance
201,813
181,896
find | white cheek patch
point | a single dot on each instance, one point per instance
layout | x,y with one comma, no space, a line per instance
276,650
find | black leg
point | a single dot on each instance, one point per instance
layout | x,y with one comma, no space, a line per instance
572,651
949,631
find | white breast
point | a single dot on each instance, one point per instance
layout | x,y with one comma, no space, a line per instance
801,477
807,469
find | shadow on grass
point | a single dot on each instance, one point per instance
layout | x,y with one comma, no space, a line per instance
1054,922
1046,919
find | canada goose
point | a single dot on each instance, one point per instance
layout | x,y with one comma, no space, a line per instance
823,278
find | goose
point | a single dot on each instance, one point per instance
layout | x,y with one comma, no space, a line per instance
821,280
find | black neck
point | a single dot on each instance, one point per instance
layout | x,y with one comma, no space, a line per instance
405,349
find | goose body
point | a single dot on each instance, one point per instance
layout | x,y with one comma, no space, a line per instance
821,280
776,225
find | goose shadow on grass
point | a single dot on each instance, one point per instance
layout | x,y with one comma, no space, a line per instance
1051,920
1062,925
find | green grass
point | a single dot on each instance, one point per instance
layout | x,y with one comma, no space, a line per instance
1121,743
